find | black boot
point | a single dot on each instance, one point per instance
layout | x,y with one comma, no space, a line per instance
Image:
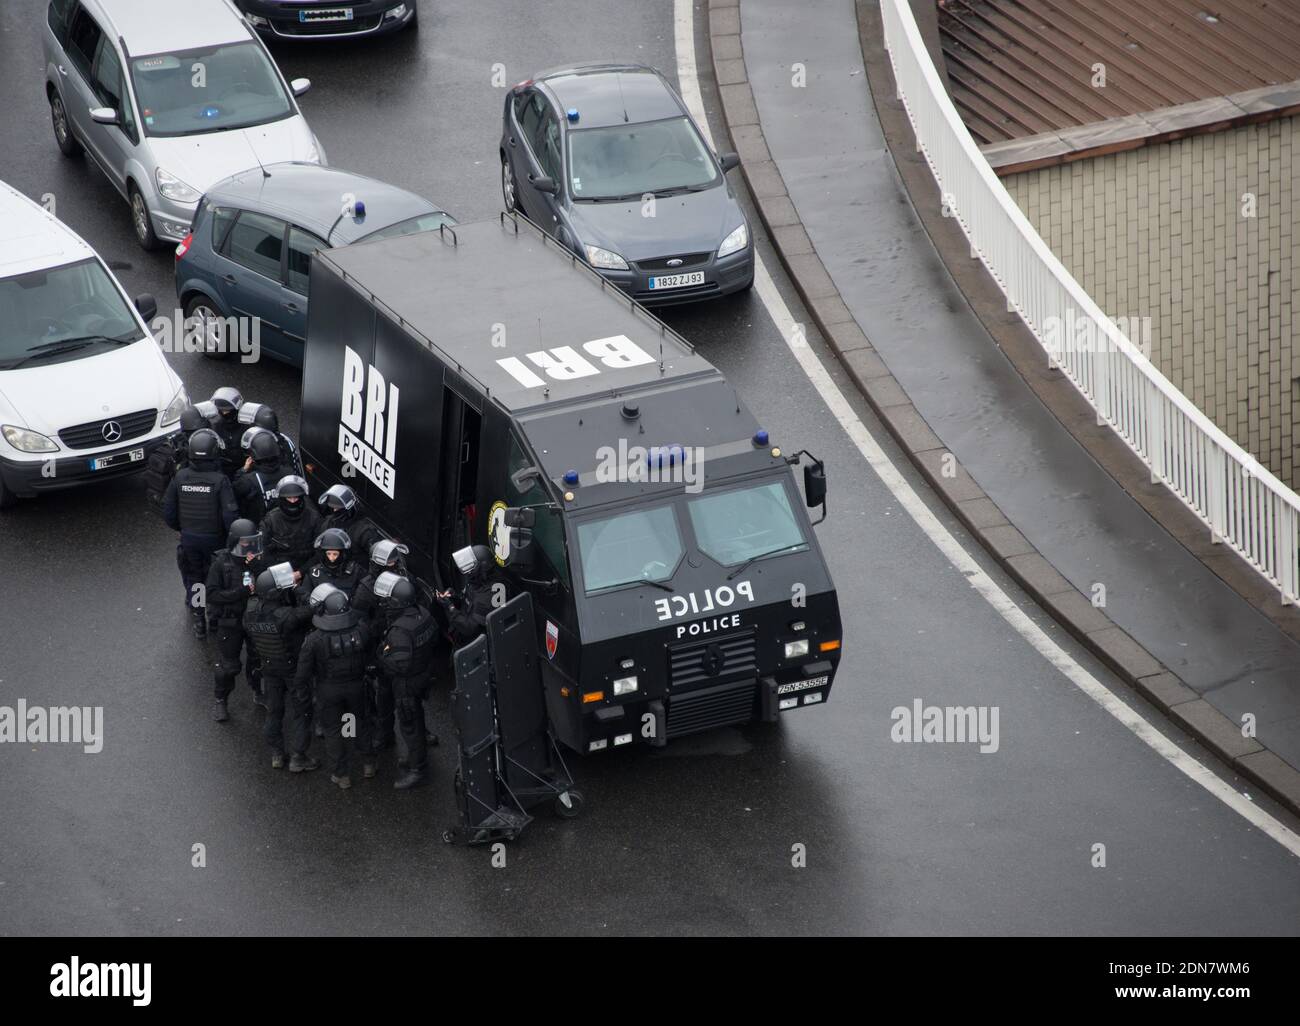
411,778
199,624
219,712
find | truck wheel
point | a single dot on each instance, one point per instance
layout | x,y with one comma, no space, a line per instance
568,804
68,144
141,219
509,187
201,307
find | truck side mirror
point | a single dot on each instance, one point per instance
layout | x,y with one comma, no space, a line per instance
814,487
524,477
522,517
521,547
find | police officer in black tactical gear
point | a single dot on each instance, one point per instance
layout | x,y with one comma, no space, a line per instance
333,564
261,415
200,504
340,508
255,485
276,627
227,402
334,656
171,456
467,608
406,657
231,583
291,528
385,557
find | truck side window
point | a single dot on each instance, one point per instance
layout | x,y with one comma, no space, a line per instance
548,531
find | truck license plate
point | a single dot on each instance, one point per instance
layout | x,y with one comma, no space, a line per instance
117,459
677,281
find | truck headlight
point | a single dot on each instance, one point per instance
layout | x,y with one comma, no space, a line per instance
604,259
173,188
173,412
735,242
795,649
625,685
27,441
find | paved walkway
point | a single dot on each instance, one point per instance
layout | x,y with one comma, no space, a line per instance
827,142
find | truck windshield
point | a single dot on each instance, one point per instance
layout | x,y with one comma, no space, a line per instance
44,313
642,545
745,523
209,90
628,161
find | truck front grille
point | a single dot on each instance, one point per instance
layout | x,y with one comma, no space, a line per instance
723,705
704,662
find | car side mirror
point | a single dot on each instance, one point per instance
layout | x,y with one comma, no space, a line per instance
547,185
147,306
728,161
300,86
104,115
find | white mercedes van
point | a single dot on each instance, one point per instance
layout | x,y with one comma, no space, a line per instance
85,390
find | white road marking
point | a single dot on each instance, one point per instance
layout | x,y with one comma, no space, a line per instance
689,85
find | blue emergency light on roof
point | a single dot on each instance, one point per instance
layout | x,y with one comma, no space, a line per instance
358,210
760,437
571,477
573,115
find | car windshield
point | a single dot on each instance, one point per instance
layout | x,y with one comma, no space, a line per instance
209,90
643,545
71,308
411,226
629,161
736,526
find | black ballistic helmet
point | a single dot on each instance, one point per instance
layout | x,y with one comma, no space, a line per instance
291,486
277,578
261,415
205,444
338,497
334,611
263,447
394,591
227,401
244,539
384,552
192,420
333,538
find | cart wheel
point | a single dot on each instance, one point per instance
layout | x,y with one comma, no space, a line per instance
568,804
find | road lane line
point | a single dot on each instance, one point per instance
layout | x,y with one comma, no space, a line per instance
689,85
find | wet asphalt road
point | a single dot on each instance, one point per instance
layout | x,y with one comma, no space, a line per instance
696,838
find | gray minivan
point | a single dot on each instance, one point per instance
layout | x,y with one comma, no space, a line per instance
168,98
248,260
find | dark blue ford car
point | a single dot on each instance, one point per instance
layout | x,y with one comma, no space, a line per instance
296,19
248,254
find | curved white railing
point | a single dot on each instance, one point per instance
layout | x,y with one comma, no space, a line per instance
1243,504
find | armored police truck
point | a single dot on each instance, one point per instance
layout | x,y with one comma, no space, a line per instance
482,385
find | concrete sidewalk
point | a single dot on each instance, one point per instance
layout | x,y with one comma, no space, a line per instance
824,179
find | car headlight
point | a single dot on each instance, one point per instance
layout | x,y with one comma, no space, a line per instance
173,412
735,242
395,13
257,21
27,441
625,686
174,189
795,649
604,259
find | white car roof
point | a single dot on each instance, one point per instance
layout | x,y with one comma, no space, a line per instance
31,238
163,26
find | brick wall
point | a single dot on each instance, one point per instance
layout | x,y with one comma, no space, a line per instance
1159,232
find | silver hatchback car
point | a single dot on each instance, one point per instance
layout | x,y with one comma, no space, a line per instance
168,98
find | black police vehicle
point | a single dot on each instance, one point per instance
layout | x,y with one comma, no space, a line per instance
481,385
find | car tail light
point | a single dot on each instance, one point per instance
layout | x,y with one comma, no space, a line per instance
184,247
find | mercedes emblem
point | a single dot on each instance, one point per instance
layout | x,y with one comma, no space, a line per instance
112,431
